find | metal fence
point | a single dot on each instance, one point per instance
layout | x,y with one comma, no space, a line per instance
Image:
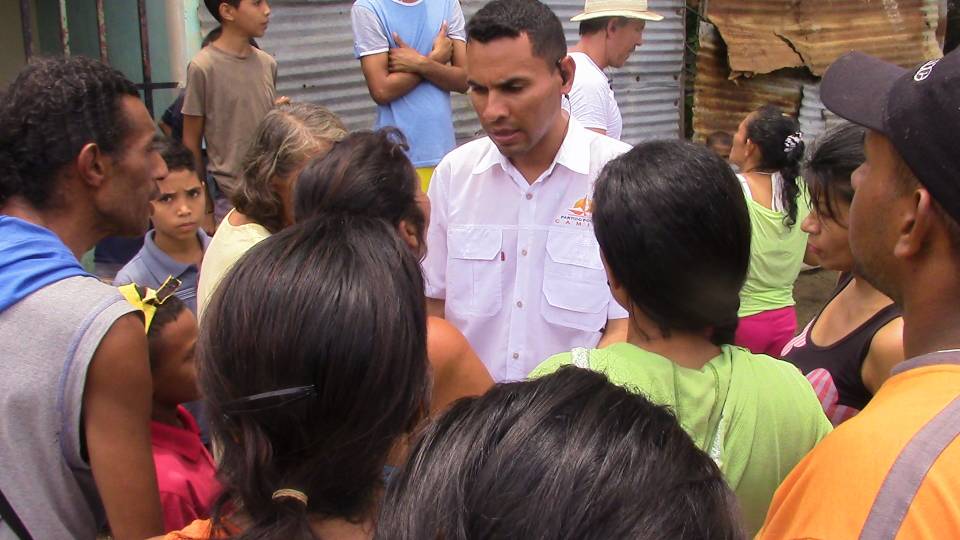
148,86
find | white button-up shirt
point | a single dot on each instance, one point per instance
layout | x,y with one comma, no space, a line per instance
518,264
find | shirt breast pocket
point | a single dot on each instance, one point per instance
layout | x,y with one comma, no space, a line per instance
575,290
474,271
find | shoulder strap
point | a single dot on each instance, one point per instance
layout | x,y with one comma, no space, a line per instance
903,481
581,357
12,519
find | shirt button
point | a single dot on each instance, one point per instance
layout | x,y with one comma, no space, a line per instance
524,253
516,355
529,196
519,304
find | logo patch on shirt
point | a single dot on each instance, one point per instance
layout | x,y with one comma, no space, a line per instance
580,214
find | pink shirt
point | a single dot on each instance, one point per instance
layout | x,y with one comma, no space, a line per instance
186,473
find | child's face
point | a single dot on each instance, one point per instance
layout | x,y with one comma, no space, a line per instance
252,17
175,368
178,209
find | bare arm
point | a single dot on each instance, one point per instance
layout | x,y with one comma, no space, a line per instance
117,401
616,332
452,77
192,135
598,130
384,86
458,371
886,351
436,307
444,66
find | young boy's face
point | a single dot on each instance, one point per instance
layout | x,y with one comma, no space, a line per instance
251,17
178,209
173,361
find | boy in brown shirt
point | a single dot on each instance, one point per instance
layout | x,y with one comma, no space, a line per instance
231,86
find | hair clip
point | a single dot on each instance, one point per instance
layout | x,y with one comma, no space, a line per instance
261,402
793,140
287,493
149,299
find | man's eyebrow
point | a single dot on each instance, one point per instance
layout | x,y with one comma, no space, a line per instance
500,84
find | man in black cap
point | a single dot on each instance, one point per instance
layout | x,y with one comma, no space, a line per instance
893,471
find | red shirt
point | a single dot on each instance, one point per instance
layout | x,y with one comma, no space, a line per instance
186,473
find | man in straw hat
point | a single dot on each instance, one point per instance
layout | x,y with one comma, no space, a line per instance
610,30
892,471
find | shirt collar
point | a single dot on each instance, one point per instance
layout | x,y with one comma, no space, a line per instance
162,265
184,441
574,152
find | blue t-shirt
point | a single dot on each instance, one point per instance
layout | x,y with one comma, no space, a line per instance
151,266
424,114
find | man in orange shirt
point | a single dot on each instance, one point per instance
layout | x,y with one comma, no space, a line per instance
893,471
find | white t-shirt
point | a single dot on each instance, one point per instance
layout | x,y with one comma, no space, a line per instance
518,264
591,99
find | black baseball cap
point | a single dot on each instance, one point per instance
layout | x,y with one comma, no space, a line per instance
918,110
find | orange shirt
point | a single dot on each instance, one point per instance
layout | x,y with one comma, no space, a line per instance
831,492
201,529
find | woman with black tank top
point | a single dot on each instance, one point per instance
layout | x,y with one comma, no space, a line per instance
849,347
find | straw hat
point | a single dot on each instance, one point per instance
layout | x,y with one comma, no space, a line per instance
632,9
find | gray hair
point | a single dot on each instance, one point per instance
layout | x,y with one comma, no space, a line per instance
288,136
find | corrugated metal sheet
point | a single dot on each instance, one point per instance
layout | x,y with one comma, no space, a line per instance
313,44
719,103
814,118
766,35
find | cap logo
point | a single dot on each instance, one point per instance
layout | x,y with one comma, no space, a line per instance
925,70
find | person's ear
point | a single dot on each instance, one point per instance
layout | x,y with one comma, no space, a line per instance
92,165
410,234
916,222
612,26
227,12
568,70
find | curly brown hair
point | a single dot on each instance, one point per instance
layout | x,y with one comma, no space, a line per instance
286,139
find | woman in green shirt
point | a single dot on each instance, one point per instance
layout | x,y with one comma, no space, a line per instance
768,148
674,232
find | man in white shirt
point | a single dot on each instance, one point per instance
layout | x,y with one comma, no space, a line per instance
610,30
512,258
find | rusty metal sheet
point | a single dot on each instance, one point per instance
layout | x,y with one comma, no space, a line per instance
766,35
720,103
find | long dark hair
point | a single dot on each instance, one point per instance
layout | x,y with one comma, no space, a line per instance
367,173
331,312
672,223
830,164
769,129
569,455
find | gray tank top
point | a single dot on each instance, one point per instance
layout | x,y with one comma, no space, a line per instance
46,343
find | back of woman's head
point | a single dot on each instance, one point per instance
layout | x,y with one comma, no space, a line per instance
569,455
673,227
830,164
367,173
778,137
287,137
328,319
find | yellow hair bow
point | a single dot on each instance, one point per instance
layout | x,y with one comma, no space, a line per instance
148,301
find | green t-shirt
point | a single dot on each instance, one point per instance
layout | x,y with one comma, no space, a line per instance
776,255
755,416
